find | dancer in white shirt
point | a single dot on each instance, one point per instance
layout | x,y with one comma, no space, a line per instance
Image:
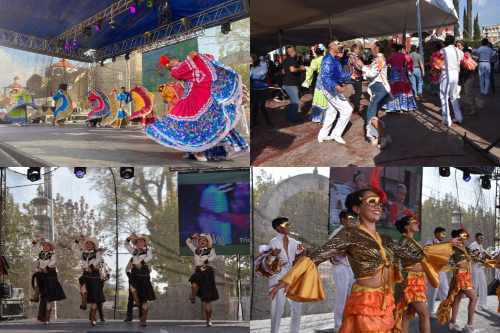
289,249
343,276
442,291
478,275
449,90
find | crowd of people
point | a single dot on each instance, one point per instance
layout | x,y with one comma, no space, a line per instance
334,75
380,283
47,288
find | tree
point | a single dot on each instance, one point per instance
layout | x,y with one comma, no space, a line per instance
456,4
477,28
469,17
467,34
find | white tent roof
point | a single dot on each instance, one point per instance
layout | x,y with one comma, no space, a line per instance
310,21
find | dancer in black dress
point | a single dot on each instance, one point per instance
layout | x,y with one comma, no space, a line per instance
90,280
140,280
203,278
47,288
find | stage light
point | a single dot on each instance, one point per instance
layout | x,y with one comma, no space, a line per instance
150,3
225,28
80,172
127,56
466,176
34,174
132,9
444,171
186,23
98,26
126,172
486,182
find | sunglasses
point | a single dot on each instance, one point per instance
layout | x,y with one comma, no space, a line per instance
373,202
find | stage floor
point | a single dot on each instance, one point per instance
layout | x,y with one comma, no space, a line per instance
106,147
115,326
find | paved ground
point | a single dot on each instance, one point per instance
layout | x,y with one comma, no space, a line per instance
485,322
78,145
81,326
418,139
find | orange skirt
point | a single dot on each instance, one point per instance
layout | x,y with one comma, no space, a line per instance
415,290
461,281
364,313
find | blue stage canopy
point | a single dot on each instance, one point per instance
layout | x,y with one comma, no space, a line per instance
45,20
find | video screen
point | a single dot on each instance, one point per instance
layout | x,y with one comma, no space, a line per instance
217,203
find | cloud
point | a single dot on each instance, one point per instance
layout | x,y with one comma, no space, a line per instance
10,68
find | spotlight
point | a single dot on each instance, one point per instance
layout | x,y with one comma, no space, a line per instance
225,28
126,172
186,23
444,171
34,174
98,26
485,182
80,172
466,176
127,56
150,3
132,9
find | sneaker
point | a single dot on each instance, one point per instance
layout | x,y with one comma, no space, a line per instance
454,327
209,323
338,139
468,329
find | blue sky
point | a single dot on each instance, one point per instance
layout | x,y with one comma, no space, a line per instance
488,11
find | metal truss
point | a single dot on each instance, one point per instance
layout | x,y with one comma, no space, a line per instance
39,45
178,30
115,9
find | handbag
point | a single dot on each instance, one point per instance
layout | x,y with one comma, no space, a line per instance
492,287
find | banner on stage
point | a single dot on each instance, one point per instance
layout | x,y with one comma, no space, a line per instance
217,203
402,185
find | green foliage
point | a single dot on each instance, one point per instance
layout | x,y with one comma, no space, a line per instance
477,28
467,33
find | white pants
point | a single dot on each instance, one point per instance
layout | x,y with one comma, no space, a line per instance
441,292
343,278
337,104
479,282
449,91
484,77
277,309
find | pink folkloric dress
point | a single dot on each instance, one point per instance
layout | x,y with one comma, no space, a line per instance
205,117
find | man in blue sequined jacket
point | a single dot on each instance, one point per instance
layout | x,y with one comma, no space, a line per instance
331,81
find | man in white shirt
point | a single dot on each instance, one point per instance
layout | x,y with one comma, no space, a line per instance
442,291
289,250
449,90
343,276
478,275
485,55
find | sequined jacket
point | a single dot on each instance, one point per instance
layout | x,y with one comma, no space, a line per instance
331,75
460,254
363,251
415,252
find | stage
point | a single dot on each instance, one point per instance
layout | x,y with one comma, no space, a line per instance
45,145
118,326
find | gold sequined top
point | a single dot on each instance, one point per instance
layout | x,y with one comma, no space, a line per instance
461,254
414,250
362,251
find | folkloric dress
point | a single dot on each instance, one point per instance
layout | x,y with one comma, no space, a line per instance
90,262
204,276
401,90
140,278
204,119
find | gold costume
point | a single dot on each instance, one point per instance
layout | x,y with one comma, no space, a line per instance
423,262
460,261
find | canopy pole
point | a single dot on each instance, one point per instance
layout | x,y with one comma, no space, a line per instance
419,28
330,27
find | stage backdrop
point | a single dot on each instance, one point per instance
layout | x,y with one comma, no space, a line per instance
403,187
153,76
217,203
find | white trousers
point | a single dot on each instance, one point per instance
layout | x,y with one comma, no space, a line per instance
479,282
449,91
337,104
343,278
277,309
440,293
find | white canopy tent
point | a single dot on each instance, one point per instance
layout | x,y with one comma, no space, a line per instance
278,22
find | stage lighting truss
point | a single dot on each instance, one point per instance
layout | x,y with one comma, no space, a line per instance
54,48
127,172
174,32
